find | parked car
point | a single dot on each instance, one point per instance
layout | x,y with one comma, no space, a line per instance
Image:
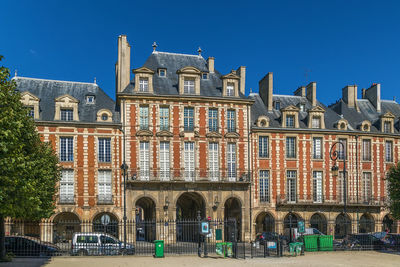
393,241
366,241
29,246
269,236
307,231
99,244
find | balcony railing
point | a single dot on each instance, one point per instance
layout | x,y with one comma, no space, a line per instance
188,176
104,199
335,199
66,199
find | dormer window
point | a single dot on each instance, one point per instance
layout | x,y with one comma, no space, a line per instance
31,112
143,84
162,72
104,116
90,99
302,107
188,87
316,122
277,105
230,89
67,114
290,121
32,103
387,127
205,76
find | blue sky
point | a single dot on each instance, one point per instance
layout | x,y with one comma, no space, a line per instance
335,42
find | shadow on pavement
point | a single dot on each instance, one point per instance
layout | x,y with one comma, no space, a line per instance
26,262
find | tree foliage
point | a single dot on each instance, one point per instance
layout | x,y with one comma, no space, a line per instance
393,180
29,167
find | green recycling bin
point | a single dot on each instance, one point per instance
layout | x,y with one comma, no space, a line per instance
311,242
229,249
325,242
159,249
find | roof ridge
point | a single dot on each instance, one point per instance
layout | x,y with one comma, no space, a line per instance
50,80
178,54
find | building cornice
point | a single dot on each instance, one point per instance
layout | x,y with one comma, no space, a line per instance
78,124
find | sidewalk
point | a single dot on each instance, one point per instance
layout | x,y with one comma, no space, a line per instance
357,258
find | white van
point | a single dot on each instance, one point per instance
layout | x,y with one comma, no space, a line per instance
84,244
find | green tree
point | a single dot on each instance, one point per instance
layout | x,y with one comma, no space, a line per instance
393,180
29,167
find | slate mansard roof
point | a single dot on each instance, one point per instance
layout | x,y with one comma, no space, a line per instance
259,109
48,90
172,62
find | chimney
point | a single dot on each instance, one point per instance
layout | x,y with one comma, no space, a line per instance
266,90
349,95
241,72
311,93
122,68
210,63
301,91
373,94
363,93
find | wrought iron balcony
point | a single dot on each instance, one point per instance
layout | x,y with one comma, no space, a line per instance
285,199
188,176
104,199
66,199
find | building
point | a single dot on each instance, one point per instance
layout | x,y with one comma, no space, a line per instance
292,139
195,144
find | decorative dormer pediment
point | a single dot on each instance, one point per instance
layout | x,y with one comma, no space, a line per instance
316,119
290,117
387,122
317,109
290,108
189,70
31,101
66,102
143,80
230,84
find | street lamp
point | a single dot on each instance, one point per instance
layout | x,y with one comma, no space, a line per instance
334,155
124,168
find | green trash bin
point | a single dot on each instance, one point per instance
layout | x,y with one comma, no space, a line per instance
325,242
159,249
229,249
311,242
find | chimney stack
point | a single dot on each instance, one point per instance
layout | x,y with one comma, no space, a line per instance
266,90
210,63
349,95
373,94
123,65
363,93
241,72
301,91
311,93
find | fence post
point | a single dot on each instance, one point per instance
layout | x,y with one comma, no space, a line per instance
198,233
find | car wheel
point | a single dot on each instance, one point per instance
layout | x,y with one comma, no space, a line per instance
82,252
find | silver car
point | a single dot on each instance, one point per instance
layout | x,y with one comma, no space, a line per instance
84,244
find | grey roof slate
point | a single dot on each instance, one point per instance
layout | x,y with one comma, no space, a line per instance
48,90
367,112
211,87
259,109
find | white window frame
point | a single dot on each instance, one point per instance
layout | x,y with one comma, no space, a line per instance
366,150
290,121
231,120
164,161
143,84
213,120
67,186
389,151
316,122
264,191
213,161
189,86
317,187
263,146
164,118
104,186
366,186
189,161
144,161
67,114
66,148
231,162
104,151
144,117
317,147
291,151
291,181
188,119
230,89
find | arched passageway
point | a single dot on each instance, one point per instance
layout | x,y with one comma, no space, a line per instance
318,221
265,223
289,223
188,206
367,224
111,228
233,213
342,226
388,224
145,219
65,225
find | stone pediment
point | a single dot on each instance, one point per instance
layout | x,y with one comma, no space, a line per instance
189,70
67,99
230,76
213,135
164,134
29,97
232,135
143,70
291,108
388,115
144,133
317,109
